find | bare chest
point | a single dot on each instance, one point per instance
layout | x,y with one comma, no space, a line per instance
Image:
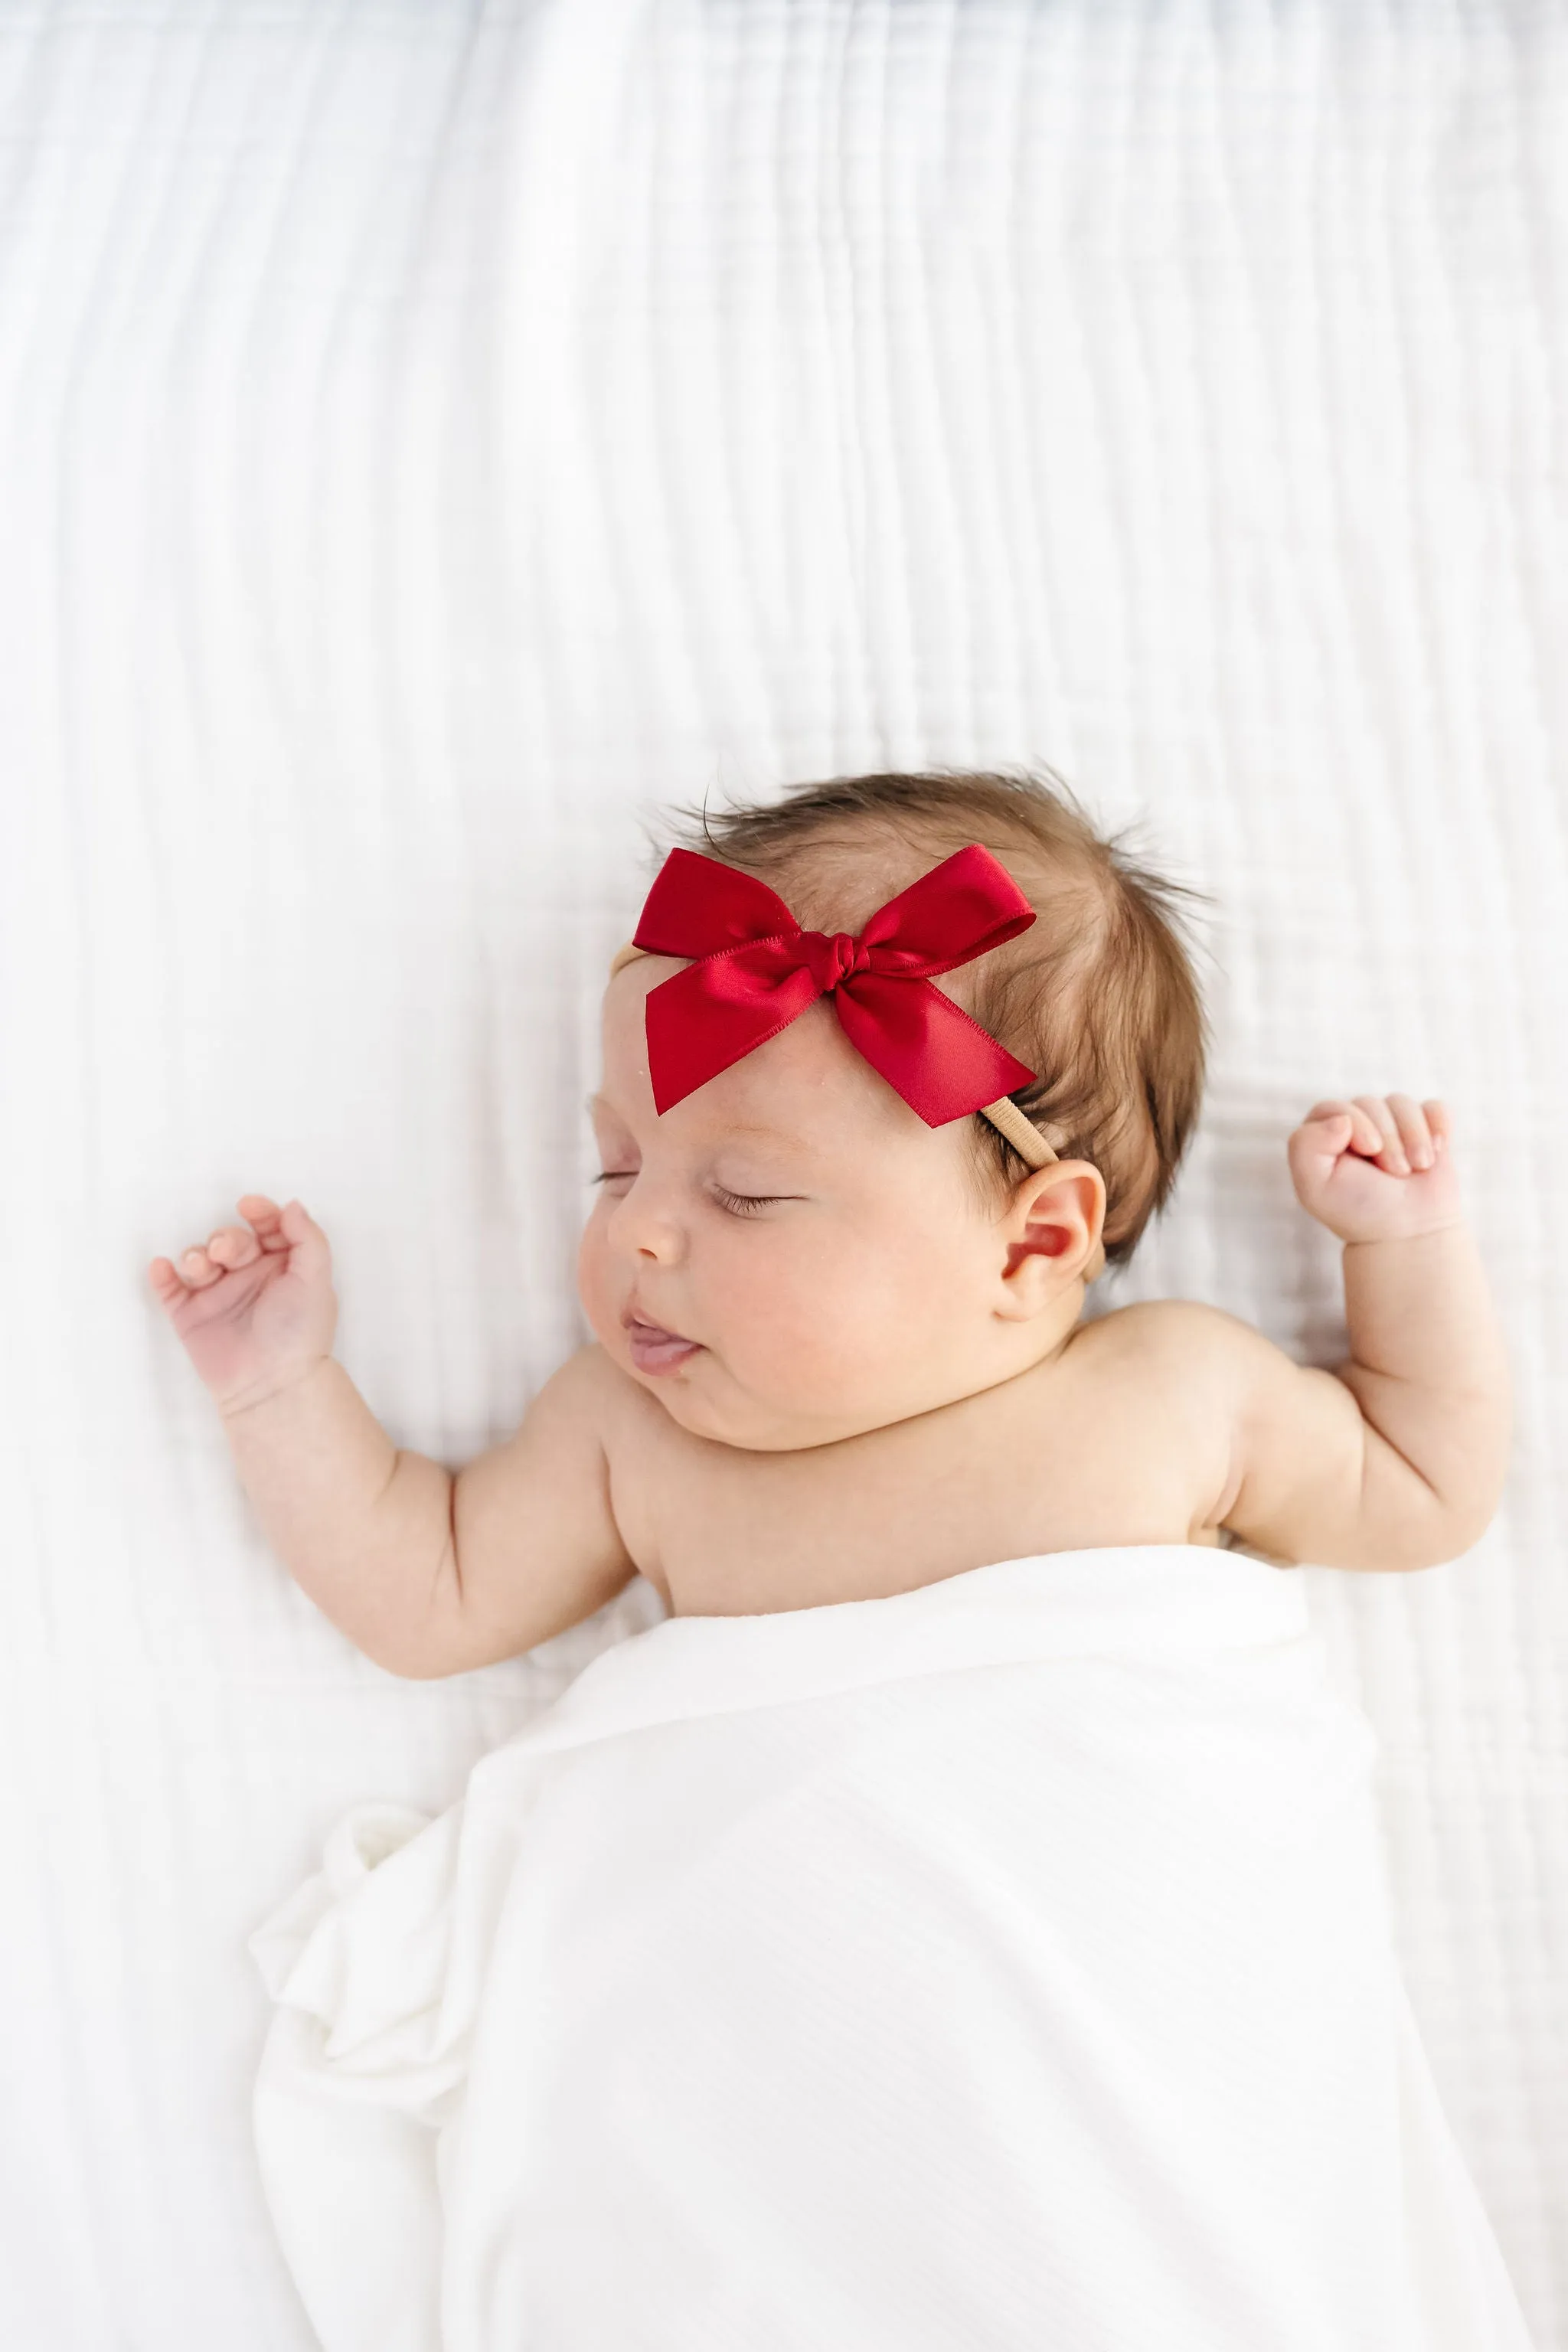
1072,1455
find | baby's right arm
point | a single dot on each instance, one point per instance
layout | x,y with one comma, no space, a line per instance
429,1574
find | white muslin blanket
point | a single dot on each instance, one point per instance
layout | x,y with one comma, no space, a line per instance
1000,1966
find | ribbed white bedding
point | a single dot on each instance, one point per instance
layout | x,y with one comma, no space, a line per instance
434,436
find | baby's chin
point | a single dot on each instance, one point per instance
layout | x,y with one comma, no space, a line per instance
703,1416
697,1396
726,1413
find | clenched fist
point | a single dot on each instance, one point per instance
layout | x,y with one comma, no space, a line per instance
253,1309
1377,1168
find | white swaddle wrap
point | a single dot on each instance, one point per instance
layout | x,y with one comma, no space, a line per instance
998,1966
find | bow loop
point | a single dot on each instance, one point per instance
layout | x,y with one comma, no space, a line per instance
754,970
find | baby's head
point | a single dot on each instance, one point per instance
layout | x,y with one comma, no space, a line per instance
890,1266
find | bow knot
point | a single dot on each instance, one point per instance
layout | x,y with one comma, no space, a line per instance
754,970
834,959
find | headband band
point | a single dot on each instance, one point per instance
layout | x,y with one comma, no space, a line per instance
753,969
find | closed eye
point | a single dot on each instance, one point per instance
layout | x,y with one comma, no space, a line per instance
739,1204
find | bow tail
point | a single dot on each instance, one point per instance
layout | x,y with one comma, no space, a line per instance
926,1046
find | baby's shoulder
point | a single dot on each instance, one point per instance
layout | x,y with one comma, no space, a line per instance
1175,1338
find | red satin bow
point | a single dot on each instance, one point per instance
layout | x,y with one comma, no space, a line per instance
758,972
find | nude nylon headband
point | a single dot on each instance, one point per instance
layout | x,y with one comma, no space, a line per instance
1004,1115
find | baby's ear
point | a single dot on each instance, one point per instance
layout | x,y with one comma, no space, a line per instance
1054,1224
1069,1190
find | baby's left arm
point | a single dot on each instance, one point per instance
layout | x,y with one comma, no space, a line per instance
1396,1458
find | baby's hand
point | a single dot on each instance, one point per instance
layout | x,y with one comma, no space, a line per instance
255,1311
1377,1168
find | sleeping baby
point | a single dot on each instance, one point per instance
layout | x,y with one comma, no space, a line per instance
841,1349
964,1902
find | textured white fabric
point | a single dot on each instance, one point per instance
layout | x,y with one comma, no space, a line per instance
433,435
1003,1963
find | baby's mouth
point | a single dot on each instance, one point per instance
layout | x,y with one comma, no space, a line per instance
654,1350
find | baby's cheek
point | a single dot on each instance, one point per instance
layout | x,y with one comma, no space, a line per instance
822,1327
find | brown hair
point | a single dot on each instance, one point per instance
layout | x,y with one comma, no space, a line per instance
1098,996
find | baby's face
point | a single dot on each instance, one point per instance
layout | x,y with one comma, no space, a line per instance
871,1285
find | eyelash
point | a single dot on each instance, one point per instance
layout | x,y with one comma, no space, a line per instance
740,1204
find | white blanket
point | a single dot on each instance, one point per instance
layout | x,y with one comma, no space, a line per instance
1005,1964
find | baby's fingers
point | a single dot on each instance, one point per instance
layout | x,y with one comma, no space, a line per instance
1384,1142
199,1268
165,1281
267,1218
1345,1124
227,1250
1414,1135
195,1271
230,1247
1411,1135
